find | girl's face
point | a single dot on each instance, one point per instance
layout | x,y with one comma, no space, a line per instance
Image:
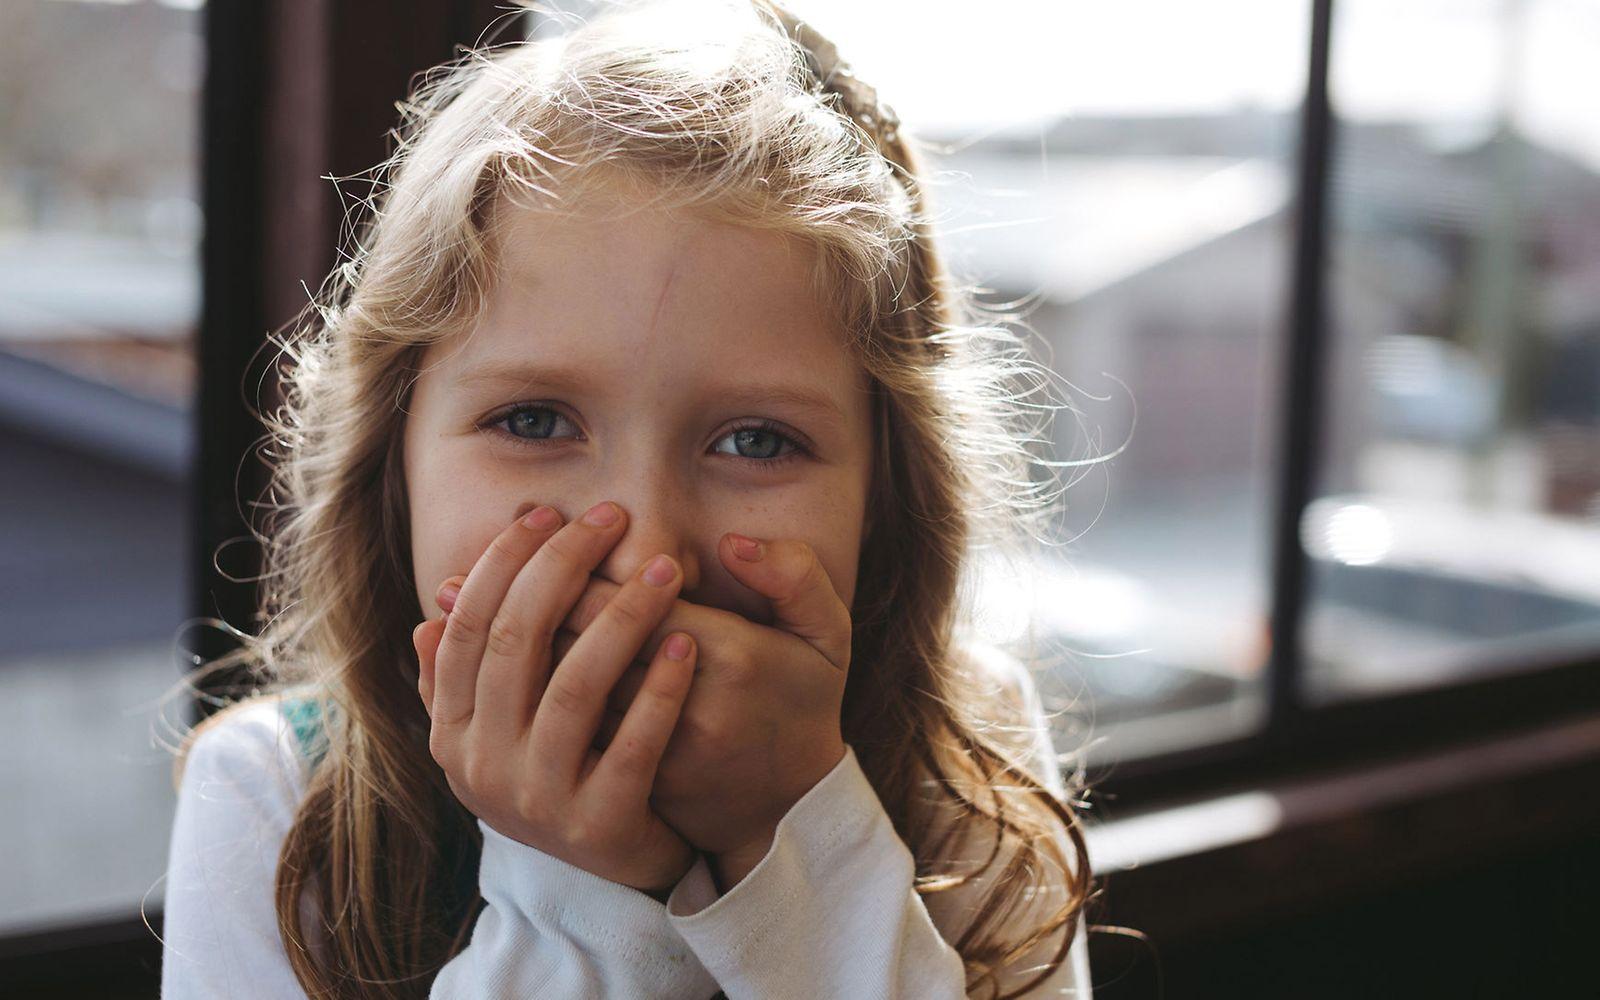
677,366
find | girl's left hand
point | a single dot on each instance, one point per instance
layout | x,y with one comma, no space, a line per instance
761,725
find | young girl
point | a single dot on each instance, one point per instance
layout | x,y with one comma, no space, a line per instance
647,396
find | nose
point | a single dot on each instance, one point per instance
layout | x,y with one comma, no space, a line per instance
657,522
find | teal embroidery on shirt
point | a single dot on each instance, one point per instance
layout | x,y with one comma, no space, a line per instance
305,715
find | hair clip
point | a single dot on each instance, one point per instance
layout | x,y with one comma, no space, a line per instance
833,73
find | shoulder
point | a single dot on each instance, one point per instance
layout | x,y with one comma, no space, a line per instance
247,754
1015,708
239,792
1015,712
1019,719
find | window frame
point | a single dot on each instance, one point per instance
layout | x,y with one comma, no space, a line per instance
1295,737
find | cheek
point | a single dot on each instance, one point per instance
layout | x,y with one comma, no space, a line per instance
454,515
840,553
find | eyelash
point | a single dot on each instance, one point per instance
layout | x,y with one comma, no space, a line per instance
799,450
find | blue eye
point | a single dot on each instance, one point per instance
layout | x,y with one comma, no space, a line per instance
528,424
764,437
758,443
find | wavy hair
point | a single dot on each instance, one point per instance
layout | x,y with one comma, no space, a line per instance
730,109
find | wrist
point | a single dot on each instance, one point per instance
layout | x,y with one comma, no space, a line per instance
660,893
729,868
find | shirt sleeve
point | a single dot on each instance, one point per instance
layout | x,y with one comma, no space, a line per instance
548,929
552,929
831,909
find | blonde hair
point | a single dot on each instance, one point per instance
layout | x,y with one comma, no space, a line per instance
721,113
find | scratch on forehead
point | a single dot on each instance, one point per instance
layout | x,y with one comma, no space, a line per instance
662,298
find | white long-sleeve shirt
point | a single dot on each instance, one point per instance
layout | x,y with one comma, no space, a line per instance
830,912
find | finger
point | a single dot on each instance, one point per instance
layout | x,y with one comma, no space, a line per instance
517,653
569,712
684,616
632,678
627,769
445,597
455,679
804,602
425,637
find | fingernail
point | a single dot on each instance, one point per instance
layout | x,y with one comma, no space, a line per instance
447,595
677,646
747,549
601,514
660,572
542,518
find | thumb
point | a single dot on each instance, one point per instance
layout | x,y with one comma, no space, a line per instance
427,636
804,602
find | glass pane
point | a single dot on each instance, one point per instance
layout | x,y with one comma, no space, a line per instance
1457,531
99,293
1137,183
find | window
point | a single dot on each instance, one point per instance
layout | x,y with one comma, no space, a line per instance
99,299
1133,173
1134,186
1456,530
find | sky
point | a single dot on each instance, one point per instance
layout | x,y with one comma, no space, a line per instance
953,65
946,64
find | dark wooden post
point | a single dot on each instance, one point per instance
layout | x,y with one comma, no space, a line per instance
296,91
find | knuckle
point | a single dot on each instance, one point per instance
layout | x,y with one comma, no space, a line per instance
661,688
808,555
627,612
570,696
565,549
439,749
509,546
738,666
659,706
633,755
590,603
464,618
508,637
529,806
476,774
703,731
581,831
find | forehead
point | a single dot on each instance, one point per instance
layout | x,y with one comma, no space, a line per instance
664,292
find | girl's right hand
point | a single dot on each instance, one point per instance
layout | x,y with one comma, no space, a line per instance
531,772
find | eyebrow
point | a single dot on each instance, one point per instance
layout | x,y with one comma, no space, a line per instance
522,375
